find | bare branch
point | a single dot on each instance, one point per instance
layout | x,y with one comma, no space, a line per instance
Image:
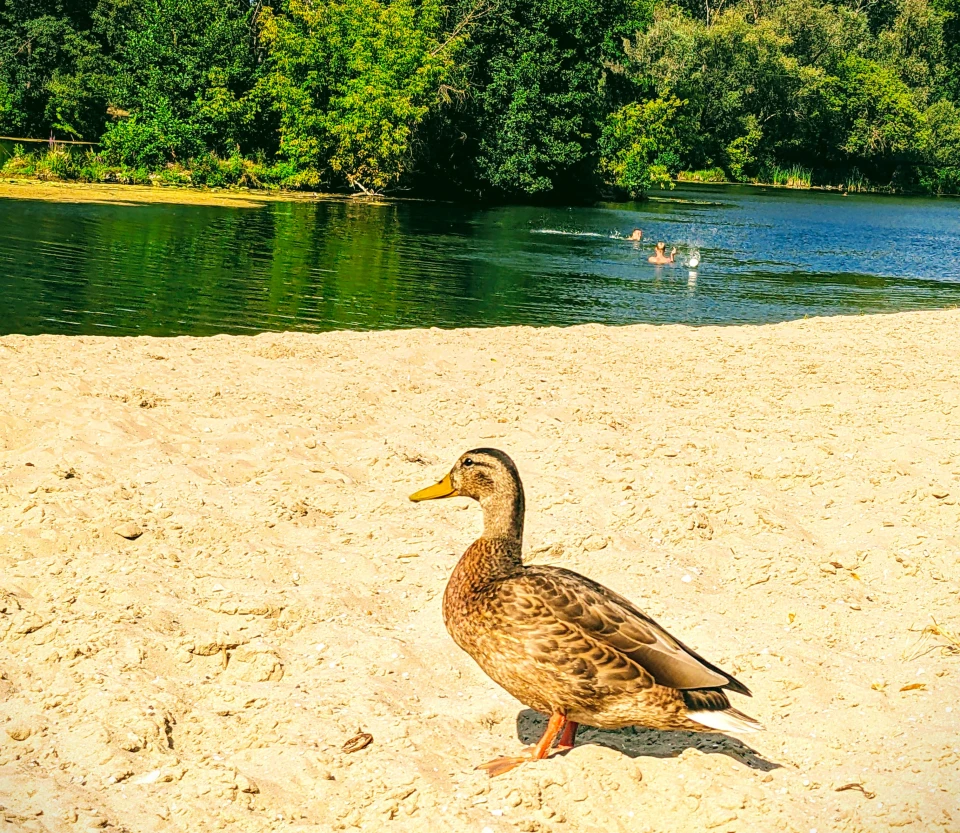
478,10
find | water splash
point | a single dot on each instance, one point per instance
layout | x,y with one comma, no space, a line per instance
615,235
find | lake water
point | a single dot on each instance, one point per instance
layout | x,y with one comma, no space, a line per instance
766,255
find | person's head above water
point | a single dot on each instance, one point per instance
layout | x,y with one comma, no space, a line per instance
659,255
636,234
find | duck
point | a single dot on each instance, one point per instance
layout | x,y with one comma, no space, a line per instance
561,643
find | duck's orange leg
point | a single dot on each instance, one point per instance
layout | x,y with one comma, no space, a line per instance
569,736
498,766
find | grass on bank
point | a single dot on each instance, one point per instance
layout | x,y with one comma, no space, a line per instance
62,163
797,176
707,175
792,177
65,165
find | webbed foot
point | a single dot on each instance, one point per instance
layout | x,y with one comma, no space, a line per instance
555,724
498,766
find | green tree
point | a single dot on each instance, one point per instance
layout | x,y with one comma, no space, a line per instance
351,82
948,81
639,145
498,99
799,82
185,71
941,173
53,75
537,89
736,76
884,127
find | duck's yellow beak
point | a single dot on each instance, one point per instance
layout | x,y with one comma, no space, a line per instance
442,489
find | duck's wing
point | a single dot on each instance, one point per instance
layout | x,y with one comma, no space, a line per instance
554,608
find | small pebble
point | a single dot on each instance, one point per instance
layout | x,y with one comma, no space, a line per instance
358,742
246,785
19,731
128,530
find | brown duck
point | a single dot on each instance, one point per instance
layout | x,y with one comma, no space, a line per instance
561,643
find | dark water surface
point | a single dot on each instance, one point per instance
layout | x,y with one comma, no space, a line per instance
767,255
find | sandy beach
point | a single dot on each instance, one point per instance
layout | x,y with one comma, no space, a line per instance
131,195
211,577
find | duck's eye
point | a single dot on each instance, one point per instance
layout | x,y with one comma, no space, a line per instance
468,461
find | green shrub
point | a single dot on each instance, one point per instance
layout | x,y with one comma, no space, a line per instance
941,174
151,139
206,170
56,164
638,144
173,174
276,173
705,175
741,152
93,168
20,163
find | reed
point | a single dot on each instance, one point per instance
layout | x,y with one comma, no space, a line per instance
793,177
705,175
856,182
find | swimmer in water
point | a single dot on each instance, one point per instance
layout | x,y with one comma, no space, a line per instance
636,235
658,257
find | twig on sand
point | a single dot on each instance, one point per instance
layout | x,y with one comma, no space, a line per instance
856,785
928,642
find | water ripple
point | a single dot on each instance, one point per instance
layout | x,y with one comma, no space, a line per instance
767,255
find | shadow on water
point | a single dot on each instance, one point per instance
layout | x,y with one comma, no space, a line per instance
636,742
200,270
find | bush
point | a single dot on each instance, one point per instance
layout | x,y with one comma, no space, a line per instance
741,152
19,163
278,173
942,155
206,170
638,144
56,164
93,168
173,174
152,138
706,175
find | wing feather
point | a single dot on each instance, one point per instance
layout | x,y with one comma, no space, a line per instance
608,631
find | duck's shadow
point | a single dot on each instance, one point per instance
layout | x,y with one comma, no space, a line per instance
636,742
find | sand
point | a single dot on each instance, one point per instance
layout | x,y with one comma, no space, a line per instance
783,498
132,195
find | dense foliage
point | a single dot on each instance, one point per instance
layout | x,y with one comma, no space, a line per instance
500,99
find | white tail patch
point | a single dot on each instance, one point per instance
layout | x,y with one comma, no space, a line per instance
728,721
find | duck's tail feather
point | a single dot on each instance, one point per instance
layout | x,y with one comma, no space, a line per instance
731,720
710,707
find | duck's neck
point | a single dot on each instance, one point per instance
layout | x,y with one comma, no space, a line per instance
503,514
493,557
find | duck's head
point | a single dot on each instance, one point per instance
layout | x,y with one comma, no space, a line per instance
490,477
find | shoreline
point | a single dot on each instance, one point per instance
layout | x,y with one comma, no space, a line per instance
239,197
211,577
118,194
825,189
